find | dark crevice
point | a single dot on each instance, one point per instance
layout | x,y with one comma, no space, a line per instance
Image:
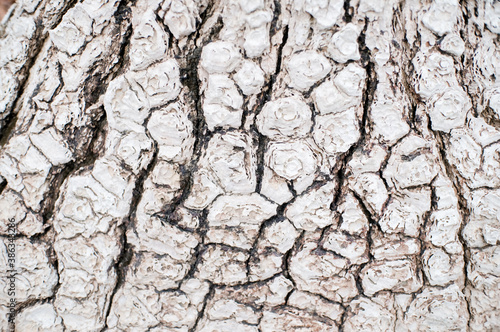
93,87
348,11
52,260
55,264
369,238
261,149
83,147
207,14
212,34
96,146
263,98
453,175
69,5
368,93
442,142
61,174
467,62
190,79
279,58
367,100
253,251
202,311
406,69
201,248
23,75
3,184
285,267
6,127
343,318
87,151
126,254
196,261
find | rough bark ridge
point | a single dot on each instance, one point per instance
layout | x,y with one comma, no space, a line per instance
219,165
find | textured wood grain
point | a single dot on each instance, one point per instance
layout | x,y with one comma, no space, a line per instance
217,165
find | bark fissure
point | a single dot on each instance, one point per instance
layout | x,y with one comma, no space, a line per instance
40,38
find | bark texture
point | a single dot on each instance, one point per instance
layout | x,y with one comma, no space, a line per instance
220,165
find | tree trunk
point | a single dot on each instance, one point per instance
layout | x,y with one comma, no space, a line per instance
206,165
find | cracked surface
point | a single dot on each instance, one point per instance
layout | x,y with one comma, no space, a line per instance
216,165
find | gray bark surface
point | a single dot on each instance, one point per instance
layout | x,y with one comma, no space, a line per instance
218,165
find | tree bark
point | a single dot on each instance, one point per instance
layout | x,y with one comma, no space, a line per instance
217,165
